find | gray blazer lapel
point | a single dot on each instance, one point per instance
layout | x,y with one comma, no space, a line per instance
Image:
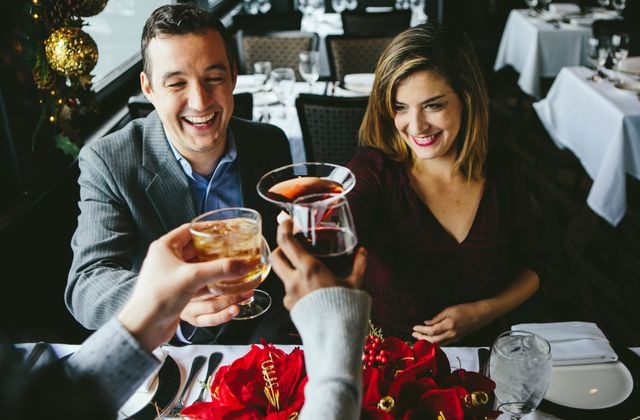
168,190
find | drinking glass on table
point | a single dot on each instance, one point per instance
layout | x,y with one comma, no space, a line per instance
619,5
235,232
598,52
352,4
620,49
520,365
323,224
262,71
532,7
309,67
339,5
283,80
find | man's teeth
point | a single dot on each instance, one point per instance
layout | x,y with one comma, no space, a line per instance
200,120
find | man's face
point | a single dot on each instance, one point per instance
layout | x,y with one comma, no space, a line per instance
191,87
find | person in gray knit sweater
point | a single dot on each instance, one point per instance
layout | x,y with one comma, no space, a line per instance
330,314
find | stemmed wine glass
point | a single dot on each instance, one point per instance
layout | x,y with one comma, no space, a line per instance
604,3
532,7
598,52
520,366
235,232
282,186
283,80
262,71
339,5
352,4
309,66
323,224
620,49
619,5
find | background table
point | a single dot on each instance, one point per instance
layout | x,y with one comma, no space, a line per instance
536,48
600,124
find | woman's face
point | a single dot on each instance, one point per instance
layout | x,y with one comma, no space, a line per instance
428,115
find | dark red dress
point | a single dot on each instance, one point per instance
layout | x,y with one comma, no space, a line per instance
415,267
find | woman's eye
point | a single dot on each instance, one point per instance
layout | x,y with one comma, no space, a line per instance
433,106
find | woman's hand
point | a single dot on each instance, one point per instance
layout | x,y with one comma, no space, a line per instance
302,273
454,322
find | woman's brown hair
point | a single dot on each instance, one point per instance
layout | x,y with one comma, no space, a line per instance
450,54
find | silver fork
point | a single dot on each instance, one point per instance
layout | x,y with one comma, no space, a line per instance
196,365
214,360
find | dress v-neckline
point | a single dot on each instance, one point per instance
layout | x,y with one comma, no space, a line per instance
438,223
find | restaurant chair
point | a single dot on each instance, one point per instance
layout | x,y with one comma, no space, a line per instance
361,23
348,55
139,106
269,22
330,126
281,48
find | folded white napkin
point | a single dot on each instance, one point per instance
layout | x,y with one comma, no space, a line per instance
564,8
573,343
247,83
630,64
361,82
582,20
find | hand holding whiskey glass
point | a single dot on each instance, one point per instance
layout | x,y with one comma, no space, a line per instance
235,233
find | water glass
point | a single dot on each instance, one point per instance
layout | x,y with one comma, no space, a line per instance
338,5
251,7
520,365
619,5
309,66
604,3
352,4
283,80
532,7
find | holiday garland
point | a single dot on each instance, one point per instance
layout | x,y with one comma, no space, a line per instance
61,56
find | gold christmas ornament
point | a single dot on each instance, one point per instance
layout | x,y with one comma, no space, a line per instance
71,52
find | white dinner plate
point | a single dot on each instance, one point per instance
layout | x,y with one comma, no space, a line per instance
632,86
139,399
630,65
590,387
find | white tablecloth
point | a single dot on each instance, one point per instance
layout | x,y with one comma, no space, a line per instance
459,357
535,48
600,124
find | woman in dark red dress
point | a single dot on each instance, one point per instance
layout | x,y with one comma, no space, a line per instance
451,245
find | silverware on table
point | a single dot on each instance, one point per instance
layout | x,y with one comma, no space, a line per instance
214,360
196,365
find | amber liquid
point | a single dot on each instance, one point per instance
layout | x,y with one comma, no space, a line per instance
232,238
334,246
287,191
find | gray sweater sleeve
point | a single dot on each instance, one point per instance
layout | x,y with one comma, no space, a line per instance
333,324
115,359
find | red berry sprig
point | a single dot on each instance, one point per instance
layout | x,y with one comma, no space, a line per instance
374,356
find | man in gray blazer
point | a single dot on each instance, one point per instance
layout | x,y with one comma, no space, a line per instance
187,157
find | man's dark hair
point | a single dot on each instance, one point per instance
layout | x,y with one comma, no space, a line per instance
182,19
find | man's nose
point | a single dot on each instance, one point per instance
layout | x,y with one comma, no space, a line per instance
198,97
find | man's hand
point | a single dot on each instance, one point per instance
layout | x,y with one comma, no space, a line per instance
302,273
168,283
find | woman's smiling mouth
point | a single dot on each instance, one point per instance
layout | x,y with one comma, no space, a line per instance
424,141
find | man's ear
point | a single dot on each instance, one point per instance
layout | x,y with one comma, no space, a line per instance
145,86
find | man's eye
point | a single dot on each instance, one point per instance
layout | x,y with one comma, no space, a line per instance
175,84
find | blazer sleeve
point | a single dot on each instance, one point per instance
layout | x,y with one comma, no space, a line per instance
102,272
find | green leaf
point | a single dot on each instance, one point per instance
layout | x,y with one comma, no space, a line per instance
65,144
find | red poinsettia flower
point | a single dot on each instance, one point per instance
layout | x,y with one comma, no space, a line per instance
243,390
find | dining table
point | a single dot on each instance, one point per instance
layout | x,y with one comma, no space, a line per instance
600,124
267,107
467,358
540,45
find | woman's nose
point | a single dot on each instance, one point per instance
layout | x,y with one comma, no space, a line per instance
418,123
